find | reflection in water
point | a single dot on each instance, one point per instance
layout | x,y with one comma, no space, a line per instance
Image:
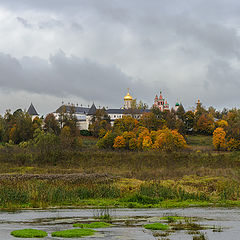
127,222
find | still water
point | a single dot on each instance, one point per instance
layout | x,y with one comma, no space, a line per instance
127,222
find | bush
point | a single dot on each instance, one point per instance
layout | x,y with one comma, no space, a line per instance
107,141
233,144
85,133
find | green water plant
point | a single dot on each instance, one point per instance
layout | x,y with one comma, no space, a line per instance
29,233
172,219
156,226
92,225
74,233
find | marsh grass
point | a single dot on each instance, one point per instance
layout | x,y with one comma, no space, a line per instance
156,226
92,225
217,229
187,225
104,213
29,233
40,193
172,219
200,237
74,233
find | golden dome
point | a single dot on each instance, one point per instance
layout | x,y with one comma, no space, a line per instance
128,96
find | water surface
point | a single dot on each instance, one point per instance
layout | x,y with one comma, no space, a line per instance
127,222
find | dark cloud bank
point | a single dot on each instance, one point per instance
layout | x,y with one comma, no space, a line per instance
64,76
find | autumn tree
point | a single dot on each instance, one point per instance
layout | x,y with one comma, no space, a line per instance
233,119
119,142
169,140
126,123
205,124
219,141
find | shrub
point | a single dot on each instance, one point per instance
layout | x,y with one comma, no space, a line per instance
233,145
85,133
107,141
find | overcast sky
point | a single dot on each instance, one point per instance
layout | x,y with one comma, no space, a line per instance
81,51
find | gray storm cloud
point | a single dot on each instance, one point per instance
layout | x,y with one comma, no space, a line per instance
63,76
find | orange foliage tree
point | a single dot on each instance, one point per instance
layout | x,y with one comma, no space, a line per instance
119,142
219,141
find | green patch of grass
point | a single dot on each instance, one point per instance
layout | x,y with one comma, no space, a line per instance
156,226
92,225
199,140
29,233
73,233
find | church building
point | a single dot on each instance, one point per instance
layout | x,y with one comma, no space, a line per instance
161,103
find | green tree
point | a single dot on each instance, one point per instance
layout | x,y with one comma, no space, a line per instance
150,121
51,125
189,120
100,123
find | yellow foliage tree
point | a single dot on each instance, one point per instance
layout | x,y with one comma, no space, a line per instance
141,136
119,142
147,143
219,141
169,140
127,136
222,124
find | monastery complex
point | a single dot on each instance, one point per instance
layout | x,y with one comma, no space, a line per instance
85,114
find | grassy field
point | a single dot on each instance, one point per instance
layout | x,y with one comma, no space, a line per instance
92,177
200,142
